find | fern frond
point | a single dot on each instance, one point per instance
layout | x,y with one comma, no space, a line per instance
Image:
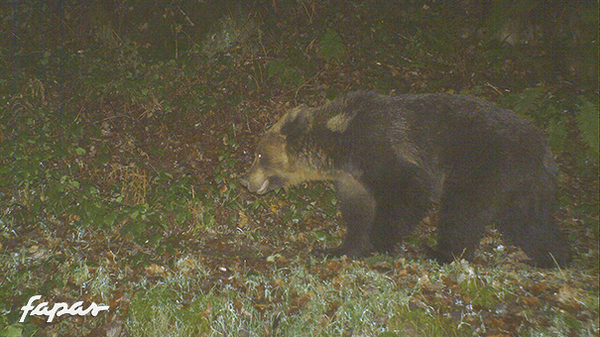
587,122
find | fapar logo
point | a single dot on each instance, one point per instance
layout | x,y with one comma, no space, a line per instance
59,309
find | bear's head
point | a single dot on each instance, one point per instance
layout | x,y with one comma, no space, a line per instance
271,167
282,158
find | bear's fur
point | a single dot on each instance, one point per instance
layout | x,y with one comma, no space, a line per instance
392,158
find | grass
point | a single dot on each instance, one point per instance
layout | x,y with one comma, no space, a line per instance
120,160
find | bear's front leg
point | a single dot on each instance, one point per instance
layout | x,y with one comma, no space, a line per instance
358,211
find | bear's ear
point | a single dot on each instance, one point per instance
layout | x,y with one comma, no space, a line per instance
297,122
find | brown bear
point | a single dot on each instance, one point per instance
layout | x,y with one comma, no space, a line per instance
391,158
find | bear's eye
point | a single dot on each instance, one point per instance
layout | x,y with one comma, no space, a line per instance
262,158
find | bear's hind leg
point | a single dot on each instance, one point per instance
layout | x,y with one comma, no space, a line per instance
396,219
465,209
527,221
403,196
459,233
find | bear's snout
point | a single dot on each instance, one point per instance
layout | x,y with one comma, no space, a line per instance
255,181
264,187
